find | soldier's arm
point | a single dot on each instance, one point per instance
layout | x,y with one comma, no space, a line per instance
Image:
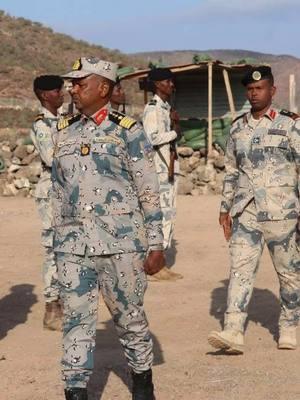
43,141
231,177
56,193
154,128
141,164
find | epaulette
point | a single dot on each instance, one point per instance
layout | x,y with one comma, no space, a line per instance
121,119
152,102
67,121
39,117
237,118
290,114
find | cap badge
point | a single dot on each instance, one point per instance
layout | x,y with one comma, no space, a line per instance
107,67
256,75
77,65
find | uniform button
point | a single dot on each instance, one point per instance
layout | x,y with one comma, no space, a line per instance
88,208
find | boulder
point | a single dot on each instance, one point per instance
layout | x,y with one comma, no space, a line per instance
185,151
22,183
20,151
219,162
185,186
30,148
194,162
9,189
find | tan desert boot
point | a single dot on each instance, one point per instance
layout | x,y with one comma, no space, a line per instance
287,338
53,316
229,340
164,275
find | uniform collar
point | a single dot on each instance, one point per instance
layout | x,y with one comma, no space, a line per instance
271,114
163,104
48,114
101,114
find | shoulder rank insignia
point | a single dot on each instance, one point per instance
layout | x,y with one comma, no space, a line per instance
67,121
152,102
39,117
239,117
290,114
121,119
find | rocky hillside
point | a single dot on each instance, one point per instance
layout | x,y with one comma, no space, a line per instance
282,65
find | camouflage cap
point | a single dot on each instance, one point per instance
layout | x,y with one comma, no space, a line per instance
86,66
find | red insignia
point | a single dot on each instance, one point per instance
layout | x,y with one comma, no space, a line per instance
100,116
272,114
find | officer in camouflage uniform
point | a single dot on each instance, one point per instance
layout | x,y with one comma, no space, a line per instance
107,227
49,90
162,133
261,205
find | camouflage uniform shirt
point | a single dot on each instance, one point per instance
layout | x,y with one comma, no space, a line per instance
262,163
105,198
42,137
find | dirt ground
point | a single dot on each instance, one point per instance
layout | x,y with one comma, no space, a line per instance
181,315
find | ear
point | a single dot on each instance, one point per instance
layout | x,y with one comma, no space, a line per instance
104,89
273,90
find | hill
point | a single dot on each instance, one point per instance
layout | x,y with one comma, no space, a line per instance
282,65
29,48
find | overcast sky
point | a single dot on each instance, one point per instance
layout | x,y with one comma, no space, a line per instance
269,26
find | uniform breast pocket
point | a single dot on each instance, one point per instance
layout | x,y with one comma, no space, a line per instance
109,158
273,142
118,221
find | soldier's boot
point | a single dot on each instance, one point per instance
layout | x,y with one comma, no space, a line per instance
76,394
53,316
287,338
142,386
164,275
230,340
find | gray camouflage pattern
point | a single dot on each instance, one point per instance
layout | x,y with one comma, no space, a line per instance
107,216
157,125
261,194
42,137
246,245
122,282
263,164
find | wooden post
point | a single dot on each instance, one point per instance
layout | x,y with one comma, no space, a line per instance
145,96
229,94
292,91
210,106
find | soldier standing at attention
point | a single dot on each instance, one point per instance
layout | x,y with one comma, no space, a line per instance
261,205
162,128
108,229
49,91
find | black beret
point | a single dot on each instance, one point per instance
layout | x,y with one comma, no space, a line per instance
160,74
47,82
257,74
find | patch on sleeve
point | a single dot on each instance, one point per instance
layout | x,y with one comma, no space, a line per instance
122,120
289,114
39,117
67,121
152,102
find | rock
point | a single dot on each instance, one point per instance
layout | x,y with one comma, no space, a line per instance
5,148
185,151
20,151
203,190
30,148
184,165
14,168
194,162
206,173
16,160
24,192
185,186
197,153
22,183
219,162
195,192
30,172
29,159
9,189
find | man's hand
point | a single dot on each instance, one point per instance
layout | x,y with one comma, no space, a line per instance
226,222
154,262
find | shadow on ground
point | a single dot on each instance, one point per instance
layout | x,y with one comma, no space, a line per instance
264,307
109,358
15,307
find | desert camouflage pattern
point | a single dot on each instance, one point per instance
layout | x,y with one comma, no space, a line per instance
42,136
157,125
107,216
262,163
122,283
246,245
105,187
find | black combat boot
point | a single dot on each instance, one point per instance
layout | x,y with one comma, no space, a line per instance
142,386
76,394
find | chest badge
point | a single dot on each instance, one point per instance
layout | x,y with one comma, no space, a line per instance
256,140
85,149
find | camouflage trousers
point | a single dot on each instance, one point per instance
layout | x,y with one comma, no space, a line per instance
122,282
49,270
167,192
246,246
